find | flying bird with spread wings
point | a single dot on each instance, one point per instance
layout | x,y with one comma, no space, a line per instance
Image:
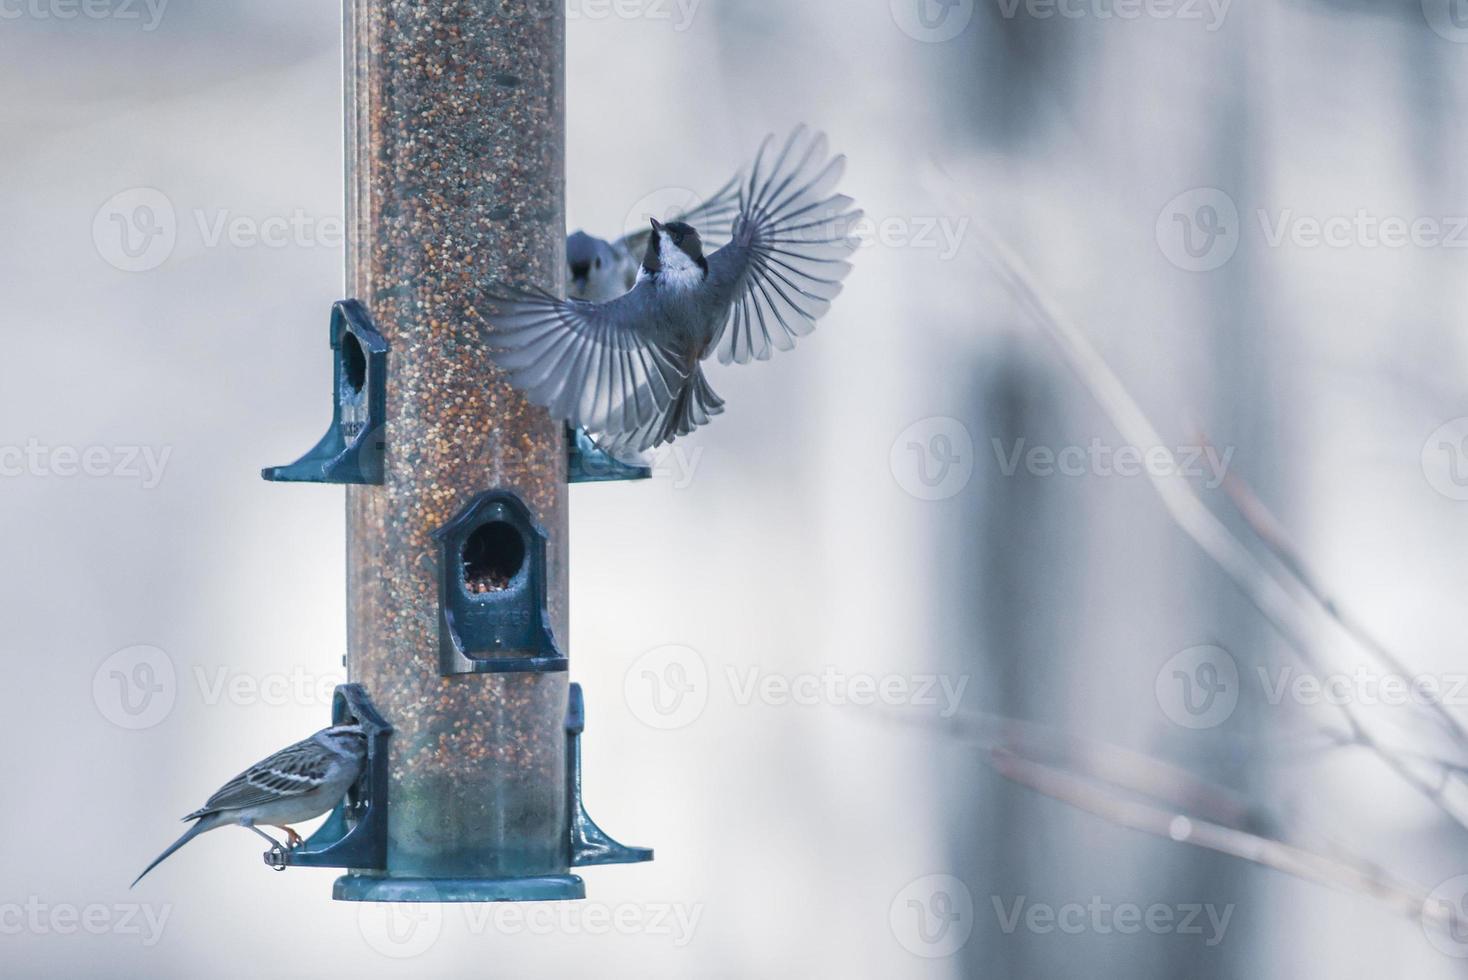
629,369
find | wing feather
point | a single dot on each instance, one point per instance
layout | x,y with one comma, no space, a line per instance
588,363
789,254
293,771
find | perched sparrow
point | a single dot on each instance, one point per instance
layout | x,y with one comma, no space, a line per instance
629,369
295,784
600,270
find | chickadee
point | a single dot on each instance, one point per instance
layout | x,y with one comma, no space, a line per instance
599,270
629,369
297,783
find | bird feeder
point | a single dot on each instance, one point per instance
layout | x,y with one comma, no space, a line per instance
589,463
355,835
493,617
352,449
457,545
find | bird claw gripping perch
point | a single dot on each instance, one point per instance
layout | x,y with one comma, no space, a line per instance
353,449
278,858
355,834
279,855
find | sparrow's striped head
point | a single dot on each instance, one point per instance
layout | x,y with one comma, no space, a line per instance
352,737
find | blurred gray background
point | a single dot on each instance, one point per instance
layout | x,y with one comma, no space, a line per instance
167,623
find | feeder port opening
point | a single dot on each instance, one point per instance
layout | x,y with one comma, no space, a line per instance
493,556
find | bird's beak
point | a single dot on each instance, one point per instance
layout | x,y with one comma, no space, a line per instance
657,226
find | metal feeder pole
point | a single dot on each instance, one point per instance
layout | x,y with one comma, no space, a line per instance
455,179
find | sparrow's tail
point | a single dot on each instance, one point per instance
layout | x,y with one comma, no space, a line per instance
207,822
694,405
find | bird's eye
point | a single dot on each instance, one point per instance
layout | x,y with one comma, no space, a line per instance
598,261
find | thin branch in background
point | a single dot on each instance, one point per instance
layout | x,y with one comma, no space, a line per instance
1269,530
1343,740
1139,792
1268,595
1112,764
1344,872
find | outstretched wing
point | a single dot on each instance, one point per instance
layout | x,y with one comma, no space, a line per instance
293,771
788,256
588,363
714,220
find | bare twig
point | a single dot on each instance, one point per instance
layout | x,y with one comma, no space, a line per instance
1098,760
1134,790
1269,530
1273,600
1344,871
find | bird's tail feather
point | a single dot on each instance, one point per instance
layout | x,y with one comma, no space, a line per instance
207,822
695,404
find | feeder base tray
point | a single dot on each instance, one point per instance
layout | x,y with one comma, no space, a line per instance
371,888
